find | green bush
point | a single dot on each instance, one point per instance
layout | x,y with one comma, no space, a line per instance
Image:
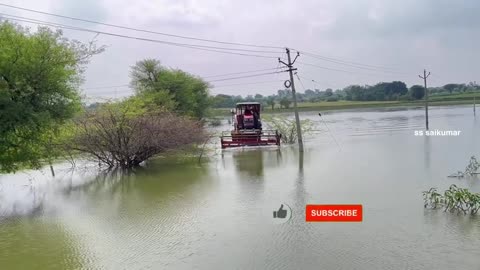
332,99
405,98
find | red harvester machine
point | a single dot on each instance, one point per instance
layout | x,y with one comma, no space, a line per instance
247,128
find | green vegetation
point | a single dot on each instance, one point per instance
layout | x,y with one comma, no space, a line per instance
170,88
417,92
355,96
470,170
39,76
288,128
285,103
454,200
42,117
161,117
121,135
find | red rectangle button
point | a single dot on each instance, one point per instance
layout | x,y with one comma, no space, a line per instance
334,213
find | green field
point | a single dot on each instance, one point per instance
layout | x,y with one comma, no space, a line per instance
435,100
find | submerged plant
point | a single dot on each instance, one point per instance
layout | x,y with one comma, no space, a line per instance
288,128
432,198
470,169
473,166
454,200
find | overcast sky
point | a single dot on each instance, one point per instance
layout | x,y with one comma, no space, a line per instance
402,37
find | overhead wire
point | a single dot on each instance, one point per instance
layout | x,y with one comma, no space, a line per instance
328,129
203,77
347,71
350,63
248,76
316,82
251,83
241,72
140,30
232,51
106,87
217,49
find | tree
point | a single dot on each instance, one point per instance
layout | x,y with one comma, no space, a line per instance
473,85
39,76
258,97
450,87
189,92
223,101
271,102
119,135
417,91
309,94
285,102
328,92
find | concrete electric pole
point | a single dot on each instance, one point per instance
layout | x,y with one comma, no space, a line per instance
291,84
424,77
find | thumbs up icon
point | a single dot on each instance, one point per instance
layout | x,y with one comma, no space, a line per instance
280,213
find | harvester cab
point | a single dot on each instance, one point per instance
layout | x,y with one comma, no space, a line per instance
247,116
247,128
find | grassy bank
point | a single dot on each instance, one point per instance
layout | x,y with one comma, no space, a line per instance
342,105
437,100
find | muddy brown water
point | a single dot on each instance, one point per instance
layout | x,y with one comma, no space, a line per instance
177,214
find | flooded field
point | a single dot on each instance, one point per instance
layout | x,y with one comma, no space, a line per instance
177,214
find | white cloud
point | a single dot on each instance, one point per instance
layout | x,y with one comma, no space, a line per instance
409,35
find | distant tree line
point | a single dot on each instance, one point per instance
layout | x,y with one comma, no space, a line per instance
383,91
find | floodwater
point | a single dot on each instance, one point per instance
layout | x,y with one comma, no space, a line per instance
177,214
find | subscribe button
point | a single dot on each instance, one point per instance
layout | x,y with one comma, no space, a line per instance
334,213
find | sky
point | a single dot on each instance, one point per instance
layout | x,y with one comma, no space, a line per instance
364,41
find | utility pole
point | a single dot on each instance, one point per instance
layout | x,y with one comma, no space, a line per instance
474,102
425,76
291,84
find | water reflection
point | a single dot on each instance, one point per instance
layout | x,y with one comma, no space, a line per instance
427,151
249,163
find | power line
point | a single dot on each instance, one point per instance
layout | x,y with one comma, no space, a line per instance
141,30
315,82
327,68
349,63
301,83
219,86
225,79
330,59
191,46
248,76
106,87
203,77
242,72
328,129
95,31
252,83
112,92
346,71
355,66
